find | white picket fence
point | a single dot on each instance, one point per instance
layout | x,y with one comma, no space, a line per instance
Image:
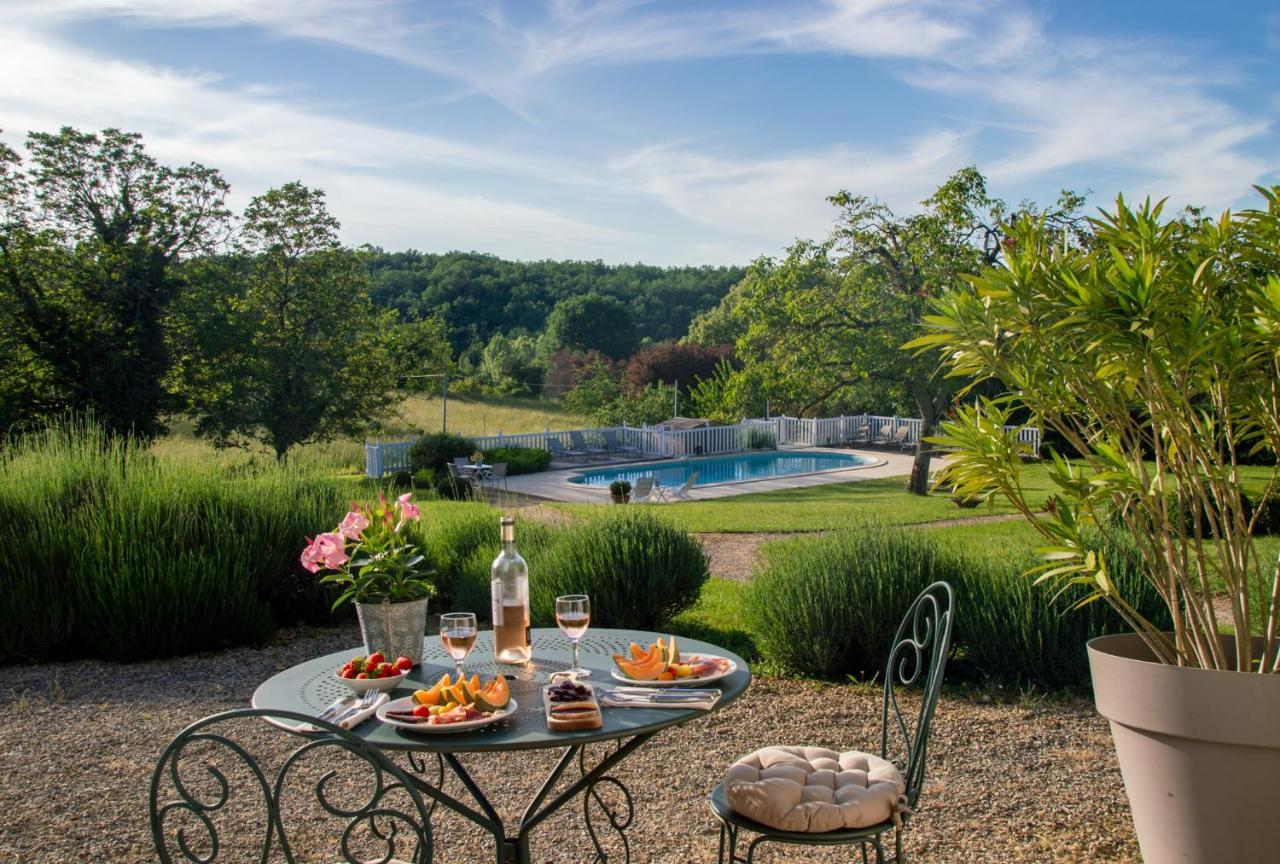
382,458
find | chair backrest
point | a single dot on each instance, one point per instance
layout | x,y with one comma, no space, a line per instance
578,440
642,489
688,484
498,470
900,434
555,445
610,438
918,655
453,470
227,758
461,461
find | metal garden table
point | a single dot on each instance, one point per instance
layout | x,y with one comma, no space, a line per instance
308,687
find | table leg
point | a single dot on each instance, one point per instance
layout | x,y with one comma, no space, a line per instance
515,850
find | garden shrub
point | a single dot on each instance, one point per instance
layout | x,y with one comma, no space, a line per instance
761,439
520,460
1010,629
114,552
638,569
431,452
828,606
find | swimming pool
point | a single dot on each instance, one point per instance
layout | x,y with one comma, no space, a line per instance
724,469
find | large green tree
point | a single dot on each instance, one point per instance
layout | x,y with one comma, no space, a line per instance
829,319
590,322
286,346
92,239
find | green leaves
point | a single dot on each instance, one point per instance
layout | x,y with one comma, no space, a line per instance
1153,357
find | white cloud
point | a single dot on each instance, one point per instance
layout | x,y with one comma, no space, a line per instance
779,199
380,181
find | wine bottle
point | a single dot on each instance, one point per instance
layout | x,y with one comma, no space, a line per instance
509,589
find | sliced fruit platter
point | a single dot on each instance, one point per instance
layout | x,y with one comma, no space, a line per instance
451,706
661,664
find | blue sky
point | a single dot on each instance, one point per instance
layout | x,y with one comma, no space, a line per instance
666,132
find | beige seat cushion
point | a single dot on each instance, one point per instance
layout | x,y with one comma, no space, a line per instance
813,789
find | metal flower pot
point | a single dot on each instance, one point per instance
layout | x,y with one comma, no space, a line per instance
395,629
1199,750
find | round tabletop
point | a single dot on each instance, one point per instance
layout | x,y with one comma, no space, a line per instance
309,687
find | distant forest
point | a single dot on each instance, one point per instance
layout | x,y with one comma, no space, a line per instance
480,295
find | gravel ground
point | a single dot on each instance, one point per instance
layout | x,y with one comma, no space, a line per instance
734,556
1006,783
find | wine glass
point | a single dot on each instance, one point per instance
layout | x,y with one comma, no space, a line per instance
573,614
458,633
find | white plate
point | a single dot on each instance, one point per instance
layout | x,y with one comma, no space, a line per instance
681,682
407,704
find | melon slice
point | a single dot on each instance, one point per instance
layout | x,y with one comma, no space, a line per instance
494,697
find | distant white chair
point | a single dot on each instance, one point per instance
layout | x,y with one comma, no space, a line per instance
682,492
642,492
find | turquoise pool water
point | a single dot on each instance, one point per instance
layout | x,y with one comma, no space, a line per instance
724,469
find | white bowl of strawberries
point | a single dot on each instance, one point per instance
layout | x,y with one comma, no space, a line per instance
374,672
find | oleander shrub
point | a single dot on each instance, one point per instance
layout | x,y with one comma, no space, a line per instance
638,568
828,606
520,460
114,551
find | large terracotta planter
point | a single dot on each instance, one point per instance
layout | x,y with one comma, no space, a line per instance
1199,750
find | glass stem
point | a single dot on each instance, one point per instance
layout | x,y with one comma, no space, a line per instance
576,664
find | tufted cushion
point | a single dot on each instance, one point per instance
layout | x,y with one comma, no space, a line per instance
813,789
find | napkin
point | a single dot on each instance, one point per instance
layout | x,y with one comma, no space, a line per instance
355,719
658,697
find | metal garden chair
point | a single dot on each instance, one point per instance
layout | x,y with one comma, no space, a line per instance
918,655
232,788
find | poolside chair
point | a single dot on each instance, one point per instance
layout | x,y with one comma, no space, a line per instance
497,471
579,442
902,438
682,492
861,435
642,492
888,787
559,451
457,475
614,444
885,435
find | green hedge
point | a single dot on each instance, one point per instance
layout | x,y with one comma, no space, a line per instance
111,551
638,568
829,606
520,460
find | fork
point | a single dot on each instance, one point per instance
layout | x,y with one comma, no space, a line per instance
339,706
366,701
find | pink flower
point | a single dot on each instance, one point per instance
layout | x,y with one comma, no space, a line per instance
331,549
311,557
353,524
408,510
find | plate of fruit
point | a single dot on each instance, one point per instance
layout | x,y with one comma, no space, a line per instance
661,664
374,672
451,706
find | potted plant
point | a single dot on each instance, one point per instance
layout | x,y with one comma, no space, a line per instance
620,491
380,572
1154,354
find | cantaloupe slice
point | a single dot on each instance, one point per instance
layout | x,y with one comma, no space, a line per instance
642,671
494,697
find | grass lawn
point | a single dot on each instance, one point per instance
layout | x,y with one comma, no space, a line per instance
824,508
473,414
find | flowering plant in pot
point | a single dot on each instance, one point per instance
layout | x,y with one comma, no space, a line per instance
379,571
620,491
1152,349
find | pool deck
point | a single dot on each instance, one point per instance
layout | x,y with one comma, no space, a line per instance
555,486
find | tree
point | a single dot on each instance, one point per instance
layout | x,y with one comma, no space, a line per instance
420,348
287,345
592,321
828,321
92,239
511,366
673,362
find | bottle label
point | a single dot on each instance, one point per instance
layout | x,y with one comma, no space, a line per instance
497,604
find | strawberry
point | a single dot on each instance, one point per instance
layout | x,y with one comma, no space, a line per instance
376,658
362,676
404,664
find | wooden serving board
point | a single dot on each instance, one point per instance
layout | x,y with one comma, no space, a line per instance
593,720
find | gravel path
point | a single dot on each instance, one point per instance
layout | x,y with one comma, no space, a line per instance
1034,782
